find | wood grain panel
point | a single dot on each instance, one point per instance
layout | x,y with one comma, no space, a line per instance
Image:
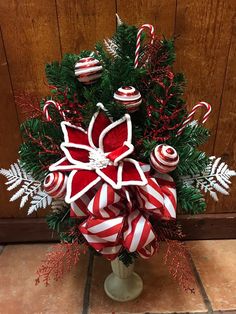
225,144
160,13
83,23
31,39
204,29
30,34
9,135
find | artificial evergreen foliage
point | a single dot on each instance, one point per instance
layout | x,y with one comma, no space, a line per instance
163,107
127,258
56,220
190,199
159,118
40,146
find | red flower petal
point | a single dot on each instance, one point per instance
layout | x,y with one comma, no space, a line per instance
97,124
110,175
63,165
120,153
79,182
73,134
116,134
132,173
77,154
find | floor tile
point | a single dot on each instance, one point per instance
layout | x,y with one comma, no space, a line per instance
18,293
215,262
161,293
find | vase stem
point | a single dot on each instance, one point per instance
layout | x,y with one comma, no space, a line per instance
123,284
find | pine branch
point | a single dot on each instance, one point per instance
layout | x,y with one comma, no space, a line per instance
28,188
194,135
111,47
39,200
57,218
58,205
16,177
61,75
41,146
191,161
214,178
190,199
178,260
167,230
58,261
127,258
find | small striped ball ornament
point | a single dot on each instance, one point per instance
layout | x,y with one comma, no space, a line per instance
55,184
88,70
164,158
129,97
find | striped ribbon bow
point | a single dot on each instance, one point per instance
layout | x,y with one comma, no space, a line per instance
119,219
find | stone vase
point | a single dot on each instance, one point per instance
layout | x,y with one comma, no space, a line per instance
123,284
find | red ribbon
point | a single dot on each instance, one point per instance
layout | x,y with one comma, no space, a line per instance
113,221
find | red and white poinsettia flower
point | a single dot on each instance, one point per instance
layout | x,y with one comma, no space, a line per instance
98,154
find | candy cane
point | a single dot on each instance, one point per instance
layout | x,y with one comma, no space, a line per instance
48,103
192,113
151,29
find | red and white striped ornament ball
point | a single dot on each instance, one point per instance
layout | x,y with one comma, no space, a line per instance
88,70
55,184
164,158
129,97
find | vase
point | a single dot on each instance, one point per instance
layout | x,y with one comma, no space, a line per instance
123,284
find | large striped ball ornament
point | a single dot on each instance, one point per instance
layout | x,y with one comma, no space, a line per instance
129,97
55,184
164,158
88,70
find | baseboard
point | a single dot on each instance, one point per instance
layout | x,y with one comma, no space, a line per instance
206,226
209,226
20,230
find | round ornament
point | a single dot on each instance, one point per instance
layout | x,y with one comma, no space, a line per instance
129,97
164,158
88,70
55,184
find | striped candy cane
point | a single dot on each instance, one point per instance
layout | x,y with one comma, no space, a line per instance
190,117
48,103
142,28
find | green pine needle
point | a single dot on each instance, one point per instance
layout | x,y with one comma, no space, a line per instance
190,200
127,258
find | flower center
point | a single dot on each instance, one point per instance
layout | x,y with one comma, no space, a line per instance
98,159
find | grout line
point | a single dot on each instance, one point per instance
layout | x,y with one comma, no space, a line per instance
181,312
1,248
201,287
232,311
88,284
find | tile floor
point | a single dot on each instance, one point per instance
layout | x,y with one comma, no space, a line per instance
81,291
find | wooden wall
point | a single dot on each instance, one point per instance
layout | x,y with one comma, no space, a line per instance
33,33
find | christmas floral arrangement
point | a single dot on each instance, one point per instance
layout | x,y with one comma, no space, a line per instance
113,150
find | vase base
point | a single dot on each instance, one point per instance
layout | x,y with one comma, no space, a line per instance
123,290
